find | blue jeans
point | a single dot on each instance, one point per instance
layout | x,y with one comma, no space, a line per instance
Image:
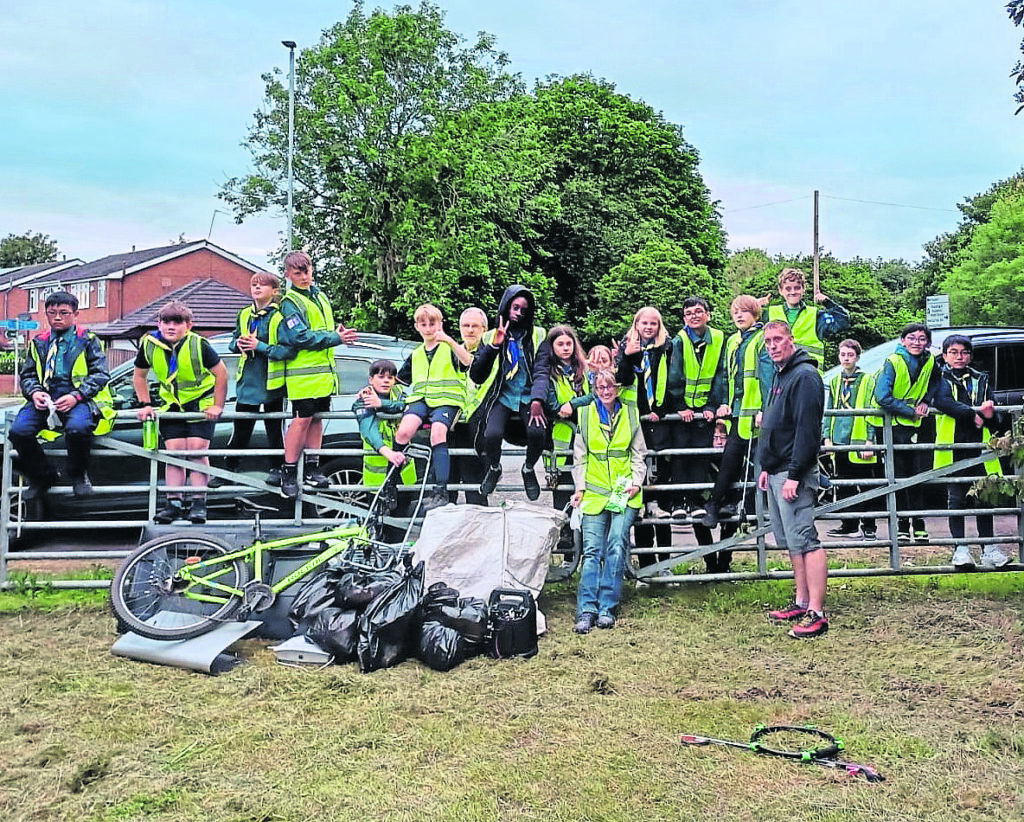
605,548
78,426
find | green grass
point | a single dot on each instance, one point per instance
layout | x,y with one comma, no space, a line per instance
922,677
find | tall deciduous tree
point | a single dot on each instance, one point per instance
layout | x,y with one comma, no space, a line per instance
372,83
27,249
987,286
661,274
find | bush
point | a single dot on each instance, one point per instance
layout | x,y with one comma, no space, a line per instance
7,364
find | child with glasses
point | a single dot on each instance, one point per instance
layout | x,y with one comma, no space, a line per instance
64,378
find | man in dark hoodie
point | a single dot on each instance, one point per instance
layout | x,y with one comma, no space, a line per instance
788,453
503,368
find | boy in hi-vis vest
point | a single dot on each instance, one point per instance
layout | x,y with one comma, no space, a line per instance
436,375
192,379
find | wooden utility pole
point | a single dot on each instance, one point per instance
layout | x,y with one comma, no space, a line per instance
816,276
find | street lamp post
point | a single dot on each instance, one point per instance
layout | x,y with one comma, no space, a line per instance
290,45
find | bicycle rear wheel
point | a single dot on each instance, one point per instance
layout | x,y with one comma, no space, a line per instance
153,601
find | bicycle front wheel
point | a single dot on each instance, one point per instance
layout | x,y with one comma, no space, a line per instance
151,598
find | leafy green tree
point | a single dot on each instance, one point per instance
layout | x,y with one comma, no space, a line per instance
987,285
661,274
625,177
1015,8
744,266
27,249
371,84
943,253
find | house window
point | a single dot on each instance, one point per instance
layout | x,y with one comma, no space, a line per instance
33,301
81,291
101,294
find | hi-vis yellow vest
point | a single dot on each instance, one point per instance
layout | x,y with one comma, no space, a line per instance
484,388
104,400
311,373
607,459
863,398
750,402
375,466
903,390
193,381
275,368
805,329
699,376
563,430
945,433
436,381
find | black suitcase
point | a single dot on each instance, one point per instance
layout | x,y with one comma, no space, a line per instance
512,624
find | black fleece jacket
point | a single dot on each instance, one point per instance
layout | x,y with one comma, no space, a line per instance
791,425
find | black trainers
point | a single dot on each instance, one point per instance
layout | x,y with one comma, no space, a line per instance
274,477
842,531
289,482
38,487
314,477
197,513
491,479
530,483
174,509
81,487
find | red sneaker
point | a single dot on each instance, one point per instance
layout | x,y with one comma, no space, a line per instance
810,624
788,612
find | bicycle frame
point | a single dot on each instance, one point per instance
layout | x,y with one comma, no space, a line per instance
339,539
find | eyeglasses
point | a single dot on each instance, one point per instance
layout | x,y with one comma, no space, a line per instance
694,312
52,313
916,338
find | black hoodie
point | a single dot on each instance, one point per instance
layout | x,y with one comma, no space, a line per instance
791,424
487,354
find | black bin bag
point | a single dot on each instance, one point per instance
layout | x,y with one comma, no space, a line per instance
389,627
337,632
441,648
316,595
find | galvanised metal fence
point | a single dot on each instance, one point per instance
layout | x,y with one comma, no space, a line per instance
348,499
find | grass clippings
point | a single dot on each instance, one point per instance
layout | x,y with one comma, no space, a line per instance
921,678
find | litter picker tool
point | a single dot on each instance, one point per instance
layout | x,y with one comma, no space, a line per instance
782,741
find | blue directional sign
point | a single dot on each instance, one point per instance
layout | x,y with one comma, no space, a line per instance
19,325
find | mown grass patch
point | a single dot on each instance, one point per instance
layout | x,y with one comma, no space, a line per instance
922,677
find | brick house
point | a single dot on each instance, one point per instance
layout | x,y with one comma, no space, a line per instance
109,288
13,285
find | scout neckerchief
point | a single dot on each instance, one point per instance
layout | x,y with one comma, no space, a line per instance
967,384
512,357
645,369
569,373
845,397
607,419
51,360
254,324
172,361
698,342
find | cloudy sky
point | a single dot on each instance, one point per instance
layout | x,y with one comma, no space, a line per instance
123,117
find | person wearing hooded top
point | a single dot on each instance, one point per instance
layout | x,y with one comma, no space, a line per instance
503,369
642,370
788,453
904,386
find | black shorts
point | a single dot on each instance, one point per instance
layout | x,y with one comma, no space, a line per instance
180,429
309,407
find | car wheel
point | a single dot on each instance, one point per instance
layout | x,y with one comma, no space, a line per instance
341,473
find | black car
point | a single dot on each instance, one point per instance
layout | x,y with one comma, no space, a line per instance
111,468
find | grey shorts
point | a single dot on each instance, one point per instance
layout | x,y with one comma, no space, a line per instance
793,522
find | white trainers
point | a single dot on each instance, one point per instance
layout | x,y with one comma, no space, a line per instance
993,557
654,510
962,558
